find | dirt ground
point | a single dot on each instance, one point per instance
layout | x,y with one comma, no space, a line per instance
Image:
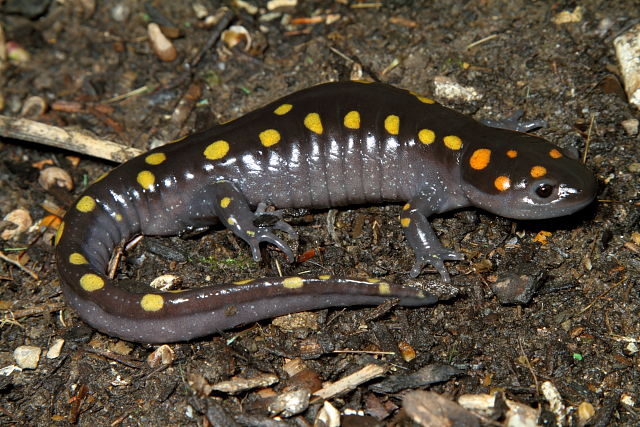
91,65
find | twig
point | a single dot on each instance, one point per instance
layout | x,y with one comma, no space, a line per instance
17,264
78,142
588,143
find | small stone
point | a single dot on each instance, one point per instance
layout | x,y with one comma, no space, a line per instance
53,177
585,412
55,349
160,44
22,220
290,403
163,355
512,288
200,10
27,356
120,12
447,88
630,126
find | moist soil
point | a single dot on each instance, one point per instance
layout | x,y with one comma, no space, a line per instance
91,68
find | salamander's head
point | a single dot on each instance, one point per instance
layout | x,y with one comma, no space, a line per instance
525,178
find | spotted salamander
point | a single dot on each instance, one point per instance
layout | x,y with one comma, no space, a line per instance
335,144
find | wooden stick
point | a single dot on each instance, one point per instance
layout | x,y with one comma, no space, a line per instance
72,140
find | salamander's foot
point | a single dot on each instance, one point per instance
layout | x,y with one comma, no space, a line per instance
435,258
273,219
513,122
264,235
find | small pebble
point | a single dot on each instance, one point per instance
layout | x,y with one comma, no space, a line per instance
278,4
55,349
120,12
585,412
27,356
21,218
630,126
165,282
161,45
55,177
200,10
447,88
290,403
512,288
163,355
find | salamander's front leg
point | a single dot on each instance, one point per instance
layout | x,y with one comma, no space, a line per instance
423,240
233,210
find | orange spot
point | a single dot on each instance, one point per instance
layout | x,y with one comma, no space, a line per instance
541,237
512,154
538,171
480,159
502,183
555,153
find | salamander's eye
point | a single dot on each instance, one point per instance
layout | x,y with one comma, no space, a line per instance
544,190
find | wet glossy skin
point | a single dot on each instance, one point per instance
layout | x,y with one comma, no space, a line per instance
331,145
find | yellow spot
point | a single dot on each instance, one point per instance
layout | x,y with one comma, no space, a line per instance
269,137
146,179
59,234
405,222
384,288
77,259
101,177
502,183
392,124
313,123
406,207
538,171
118,217
453,142
293,282
555,154
373,280
423,98
480,158
243,282
216,150
283,109
152,302
512,154
421,294
86,204
155,158
426,136
251,233
324,277
91,282
224,203
352,120
232,221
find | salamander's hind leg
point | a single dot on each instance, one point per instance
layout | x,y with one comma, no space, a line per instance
233,210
